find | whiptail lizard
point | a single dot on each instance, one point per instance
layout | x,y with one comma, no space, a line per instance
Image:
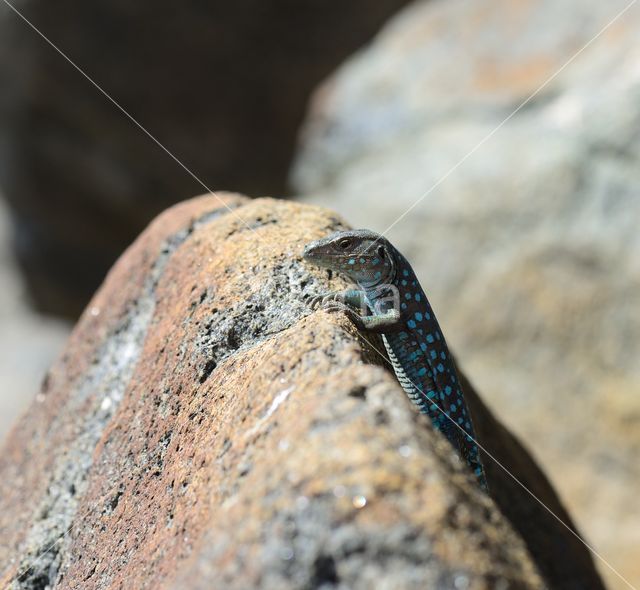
399,310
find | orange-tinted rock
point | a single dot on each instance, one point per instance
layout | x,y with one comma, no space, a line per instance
203,429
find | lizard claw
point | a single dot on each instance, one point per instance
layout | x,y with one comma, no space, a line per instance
332,303
320,300
332,306
338,306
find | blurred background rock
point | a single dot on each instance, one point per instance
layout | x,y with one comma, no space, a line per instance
29,341
528,245
223,85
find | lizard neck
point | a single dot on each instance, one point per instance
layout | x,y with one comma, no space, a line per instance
381,278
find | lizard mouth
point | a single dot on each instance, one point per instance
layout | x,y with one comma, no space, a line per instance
309,254
314,255
318,260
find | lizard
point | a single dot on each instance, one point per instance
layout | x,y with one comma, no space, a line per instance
390,301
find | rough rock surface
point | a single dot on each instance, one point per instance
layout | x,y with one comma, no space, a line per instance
526,237
222,84
203,429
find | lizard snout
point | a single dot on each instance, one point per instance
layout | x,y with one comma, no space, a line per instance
309,253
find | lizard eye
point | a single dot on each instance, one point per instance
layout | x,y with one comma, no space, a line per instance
344,244
381,252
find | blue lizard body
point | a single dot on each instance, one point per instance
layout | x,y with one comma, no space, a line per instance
400,311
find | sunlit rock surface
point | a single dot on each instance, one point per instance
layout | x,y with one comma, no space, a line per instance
204,429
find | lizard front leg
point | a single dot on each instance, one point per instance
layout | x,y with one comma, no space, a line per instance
380,323
353,298
350,302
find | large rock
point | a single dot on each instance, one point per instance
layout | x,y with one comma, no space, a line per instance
524,231
203,429
223,85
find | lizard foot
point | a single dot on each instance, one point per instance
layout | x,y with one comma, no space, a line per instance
337,306
321,299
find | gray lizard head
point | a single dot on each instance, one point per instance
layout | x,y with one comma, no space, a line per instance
365,256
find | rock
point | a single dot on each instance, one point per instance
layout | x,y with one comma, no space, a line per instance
204,429
523,226
223,85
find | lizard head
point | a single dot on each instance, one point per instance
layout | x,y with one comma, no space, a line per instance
365,256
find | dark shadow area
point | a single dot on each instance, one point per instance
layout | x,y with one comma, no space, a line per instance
223,86
563,559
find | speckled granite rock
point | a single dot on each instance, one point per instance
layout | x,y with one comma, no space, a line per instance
526,236
205,430
223,85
